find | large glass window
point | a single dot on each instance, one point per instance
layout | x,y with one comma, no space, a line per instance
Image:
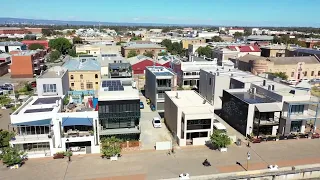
89,85
49,88
164,82
295,126
297,109
34,147
33,130
198,124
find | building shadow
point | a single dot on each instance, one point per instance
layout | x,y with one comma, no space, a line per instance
238,163
210,145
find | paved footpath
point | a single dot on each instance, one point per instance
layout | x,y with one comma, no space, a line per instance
153,165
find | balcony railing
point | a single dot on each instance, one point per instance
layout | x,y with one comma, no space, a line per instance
32,137
71,134
120,74
270,121
160,96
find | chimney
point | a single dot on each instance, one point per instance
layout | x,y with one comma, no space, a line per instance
177,95
264,82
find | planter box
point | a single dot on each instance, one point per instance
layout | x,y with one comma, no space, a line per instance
15,166
114,158
223,149
58,156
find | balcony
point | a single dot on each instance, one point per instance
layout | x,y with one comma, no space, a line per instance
164,87
33,137
270,121
160,96
75,133
133,130
123,74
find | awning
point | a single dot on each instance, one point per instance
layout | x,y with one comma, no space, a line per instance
34,123
268,107
74,121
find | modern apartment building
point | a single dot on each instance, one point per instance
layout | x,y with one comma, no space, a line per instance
189,117
119,109
296,68
142,48
84,73
44,126
159,79
98,49
26,64
188,73
53,82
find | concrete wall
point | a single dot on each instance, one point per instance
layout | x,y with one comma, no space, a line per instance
221,83
172,116
150,86
88,76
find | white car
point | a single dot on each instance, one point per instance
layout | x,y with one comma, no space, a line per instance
156,122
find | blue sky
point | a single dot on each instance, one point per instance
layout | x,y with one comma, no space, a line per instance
211,12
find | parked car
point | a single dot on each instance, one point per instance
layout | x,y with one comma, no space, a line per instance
153,108
141,105
156,122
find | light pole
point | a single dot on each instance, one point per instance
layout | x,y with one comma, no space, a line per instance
248,158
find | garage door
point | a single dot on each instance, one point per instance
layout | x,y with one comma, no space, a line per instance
160,106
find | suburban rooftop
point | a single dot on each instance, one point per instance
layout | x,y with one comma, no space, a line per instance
118,89
160,71
53,72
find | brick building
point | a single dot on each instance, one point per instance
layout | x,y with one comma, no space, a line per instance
42,42
24,64
15,30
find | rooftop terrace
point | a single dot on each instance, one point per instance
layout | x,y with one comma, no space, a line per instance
160,71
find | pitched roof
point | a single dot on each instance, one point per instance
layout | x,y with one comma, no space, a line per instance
84,64
294,60
245,48
250,57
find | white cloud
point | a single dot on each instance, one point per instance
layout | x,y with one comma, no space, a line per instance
136,19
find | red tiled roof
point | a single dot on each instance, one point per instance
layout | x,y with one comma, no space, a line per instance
245,48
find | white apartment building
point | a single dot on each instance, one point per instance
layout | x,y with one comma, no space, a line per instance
208,34
159,79
189,117
44,126
8,46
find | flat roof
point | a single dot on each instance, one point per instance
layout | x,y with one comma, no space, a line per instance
252,98
141,46
54,72
160,71
190,102
11,43
122,89
37,104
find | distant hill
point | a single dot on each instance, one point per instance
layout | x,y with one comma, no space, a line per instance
8,20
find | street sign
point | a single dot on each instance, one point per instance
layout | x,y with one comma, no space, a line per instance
248,155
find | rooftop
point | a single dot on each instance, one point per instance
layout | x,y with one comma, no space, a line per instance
118,89
251,98
40,105
11,43
142,46
82,64
250,57
54,72
25,52
190,102
274,46
294,60
308,50
160,71
260,38
245,48
4,55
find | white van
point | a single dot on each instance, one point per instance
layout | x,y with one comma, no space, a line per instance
218,125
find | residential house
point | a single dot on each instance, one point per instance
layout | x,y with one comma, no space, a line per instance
140,49
8,46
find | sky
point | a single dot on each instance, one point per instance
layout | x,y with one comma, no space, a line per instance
204,12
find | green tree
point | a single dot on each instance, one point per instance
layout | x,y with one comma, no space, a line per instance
4,99
35,46
47,32
237,34
77,40
205,51
281,75
110,146
222,32
176,48
168,44
5,137
135,38
60,44
11,156
119,43
148,54
72,52
220,139
132,53
247,33
162,54
217,39
54,55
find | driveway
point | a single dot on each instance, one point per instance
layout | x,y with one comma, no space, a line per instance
150,135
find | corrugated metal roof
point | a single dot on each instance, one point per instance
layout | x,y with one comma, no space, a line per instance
82,64
294,60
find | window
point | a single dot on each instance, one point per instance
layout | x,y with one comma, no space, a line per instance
198,124
182,128
318,73
81,76
89,85
49,88
292,74
82,86
72,84
97,83
96,76
312,73
209,81
305,73
71,77
297,109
